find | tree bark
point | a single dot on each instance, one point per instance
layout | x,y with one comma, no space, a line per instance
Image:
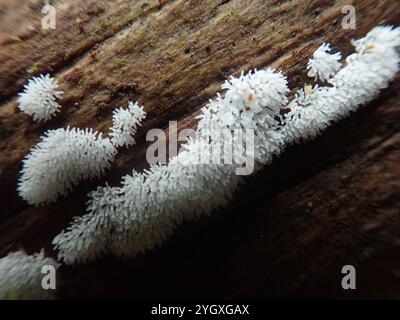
321,205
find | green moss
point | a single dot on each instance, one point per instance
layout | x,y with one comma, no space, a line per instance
119,63
34,68
170,52
213,9
231,13
182,42
14,39
105,25
172,28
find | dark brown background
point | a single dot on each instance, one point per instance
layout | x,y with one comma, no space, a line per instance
321,205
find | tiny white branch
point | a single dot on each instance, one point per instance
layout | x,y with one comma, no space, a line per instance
60,161
323,64
125,124
39,96
64,157
146,209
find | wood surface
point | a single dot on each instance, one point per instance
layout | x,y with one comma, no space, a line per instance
291,228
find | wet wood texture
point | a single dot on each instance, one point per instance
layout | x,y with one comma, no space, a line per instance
321,205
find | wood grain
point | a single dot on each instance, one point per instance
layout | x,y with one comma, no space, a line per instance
321,205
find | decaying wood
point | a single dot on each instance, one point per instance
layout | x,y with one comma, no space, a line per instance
321,205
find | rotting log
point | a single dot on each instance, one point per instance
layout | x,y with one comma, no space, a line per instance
291,228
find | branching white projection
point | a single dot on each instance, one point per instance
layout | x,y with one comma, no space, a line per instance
125,124
64,157
38,99
323,65
145,210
